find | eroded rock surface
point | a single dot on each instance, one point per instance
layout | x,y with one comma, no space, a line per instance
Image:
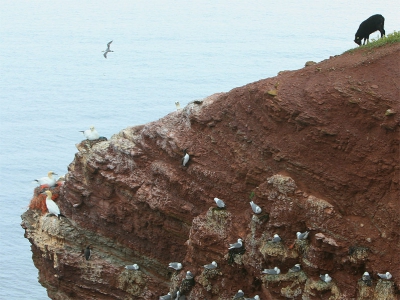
320,154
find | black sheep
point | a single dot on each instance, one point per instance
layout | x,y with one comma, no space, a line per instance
370,25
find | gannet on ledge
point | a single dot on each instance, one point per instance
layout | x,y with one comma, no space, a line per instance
52,207
48,181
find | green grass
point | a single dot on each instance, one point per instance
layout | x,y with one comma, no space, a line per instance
391,38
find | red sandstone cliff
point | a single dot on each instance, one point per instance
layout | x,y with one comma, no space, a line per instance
321,155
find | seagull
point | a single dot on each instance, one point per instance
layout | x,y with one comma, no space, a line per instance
276,238
366,278
386,276
219,202
295,269
48,181
175,265
239,294
107,50
166,297
185,158
211,266
326,278
256,209
88,252
256,297
178,106
91,134
189,275
132,267
274,271
239,244
302,236
52,207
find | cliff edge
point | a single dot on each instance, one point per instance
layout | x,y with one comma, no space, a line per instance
317,149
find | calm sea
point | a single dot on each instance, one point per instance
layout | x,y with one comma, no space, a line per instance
55,80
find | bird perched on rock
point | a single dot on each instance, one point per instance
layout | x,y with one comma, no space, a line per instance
219,202
302,236
52,207
239,244
386,276
295,269
177,105
132,267
166,297
49,181
274,271
175,265
256,297
239,295
366,278
326,278
185,158
211,266
91,134
276,238
107,50
256,209
88,252
189,275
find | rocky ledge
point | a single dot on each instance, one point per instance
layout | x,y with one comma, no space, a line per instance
317,149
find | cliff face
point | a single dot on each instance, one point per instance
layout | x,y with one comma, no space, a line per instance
317,149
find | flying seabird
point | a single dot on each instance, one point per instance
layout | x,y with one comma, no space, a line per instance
132,267
302,236
48,181
366,278
175,265
274,271
256,297
166,297
107,50
386,276
178,106
88,253
91,134
219,203
326,278
239,244
239,295
211,266
276,238
295,269
185,158
256,209
52,207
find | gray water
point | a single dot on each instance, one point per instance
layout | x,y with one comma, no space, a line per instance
55,80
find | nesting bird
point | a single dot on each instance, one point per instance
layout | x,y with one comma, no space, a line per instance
107,50
239,295
325,278
256,209
256,297
166,297
295,269
219,202
175,265
91,134
132,267
366,278
88,253
274,271
211,266
185,158
302,236
276,238
189,275
237,245
49,181
52,207
386,276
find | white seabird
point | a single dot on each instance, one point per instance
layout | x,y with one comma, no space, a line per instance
239,244
326,278
107,50
276,238
132,267
91,134
49,180
166,297
256,297
219,203
185,158
52,207
88,253
189,275
239,294
178,106
211,266
302,236
175,265
295,269
274,271
256,209
386,276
